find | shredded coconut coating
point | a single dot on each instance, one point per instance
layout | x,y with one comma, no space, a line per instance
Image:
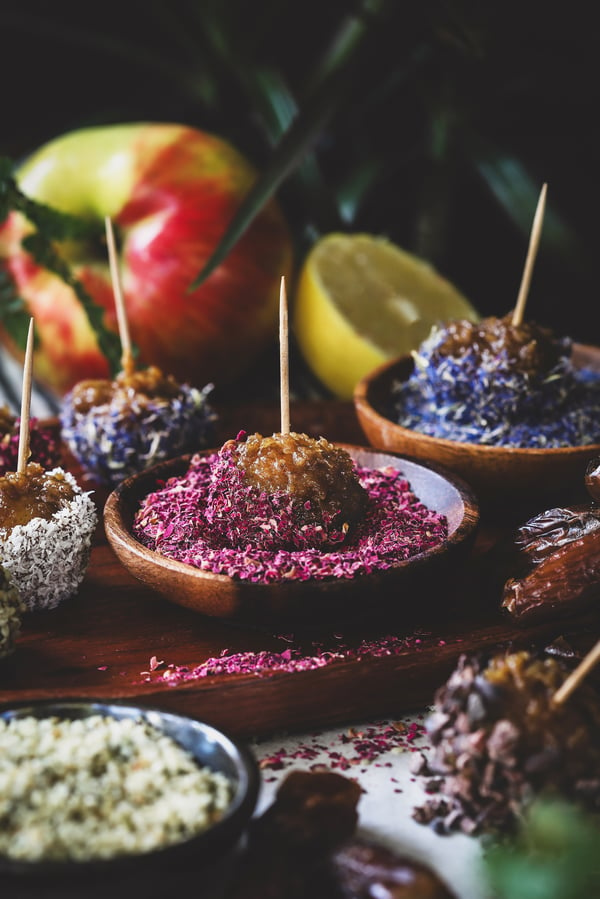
480,397
47,559
11,611
99,787
128,434
397,525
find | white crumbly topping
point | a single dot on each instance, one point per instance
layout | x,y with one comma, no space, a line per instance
47,558
98,787
11,610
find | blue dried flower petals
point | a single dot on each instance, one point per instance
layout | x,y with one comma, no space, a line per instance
118,439
481,399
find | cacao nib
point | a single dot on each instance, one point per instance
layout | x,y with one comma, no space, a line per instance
488,771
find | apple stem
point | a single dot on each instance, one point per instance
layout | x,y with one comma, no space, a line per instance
577,675
23,455
284,360
126,353
534,242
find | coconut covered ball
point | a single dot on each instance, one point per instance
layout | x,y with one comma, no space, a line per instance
493,382
46,528
44,446
11,612
117,428
287,491
499,741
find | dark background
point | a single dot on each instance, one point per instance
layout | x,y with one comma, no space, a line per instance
516,83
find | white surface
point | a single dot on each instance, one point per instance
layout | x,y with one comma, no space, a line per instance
385,814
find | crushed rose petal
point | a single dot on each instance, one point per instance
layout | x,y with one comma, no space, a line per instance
360,747
397,526
264,663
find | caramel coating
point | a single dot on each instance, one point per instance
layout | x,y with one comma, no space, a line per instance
529,347
308,469
150,383
33,493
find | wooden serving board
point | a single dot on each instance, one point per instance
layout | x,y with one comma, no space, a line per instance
98,644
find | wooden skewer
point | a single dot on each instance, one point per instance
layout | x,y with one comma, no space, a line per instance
23,455
534,242
576,676
126,353
284,360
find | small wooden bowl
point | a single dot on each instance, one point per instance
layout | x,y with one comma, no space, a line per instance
312,602
496,474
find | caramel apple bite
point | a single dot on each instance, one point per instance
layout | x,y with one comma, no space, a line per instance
116,428
46,527
500,384
285,491
500,740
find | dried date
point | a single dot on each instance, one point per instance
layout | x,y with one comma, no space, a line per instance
556,565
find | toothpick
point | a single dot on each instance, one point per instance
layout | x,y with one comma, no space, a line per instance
126,353
284,360
534,241
576,676
23,455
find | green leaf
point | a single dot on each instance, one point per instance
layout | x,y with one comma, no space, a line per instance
553,856
517,193
51,227
328,94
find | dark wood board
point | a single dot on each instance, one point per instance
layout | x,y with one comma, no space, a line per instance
97,644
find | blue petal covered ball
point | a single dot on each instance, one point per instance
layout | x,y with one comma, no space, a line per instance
118,428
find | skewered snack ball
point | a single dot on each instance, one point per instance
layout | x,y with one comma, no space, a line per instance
117,428
502,384
46,527
43,444
11,611
500,740
285,491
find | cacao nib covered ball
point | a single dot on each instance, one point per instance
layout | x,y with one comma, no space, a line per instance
499,741
287,491
117,428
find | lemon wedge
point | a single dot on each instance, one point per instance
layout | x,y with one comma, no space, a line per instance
361,300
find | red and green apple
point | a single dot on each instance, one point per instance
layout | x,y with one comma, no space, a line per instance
171,191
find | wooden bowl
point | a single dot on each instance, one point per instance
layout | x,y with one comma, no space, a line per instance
527,477
312,602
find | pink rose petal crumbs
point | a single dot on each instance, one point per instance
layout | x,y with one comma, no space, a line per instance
264,663
362,747
396,526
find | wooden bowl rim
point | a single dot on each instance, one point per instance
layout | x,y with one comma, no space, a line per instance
118,530
363,402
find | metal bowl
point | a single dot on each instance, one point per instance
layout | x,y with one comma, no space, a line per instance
209,747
